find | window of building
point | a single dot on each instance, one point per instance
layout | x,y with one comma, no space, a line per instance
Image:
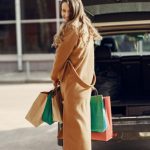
38,26
38,9
38,37
7,39
7,10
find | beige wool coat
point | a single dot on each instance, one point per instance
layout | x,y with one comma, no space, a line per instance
74,67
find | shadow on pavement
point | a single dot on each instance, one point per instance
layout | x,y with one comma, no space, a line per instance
44,138
41,138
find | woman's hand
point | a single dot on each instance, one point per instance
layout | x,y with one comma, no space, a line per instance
56,82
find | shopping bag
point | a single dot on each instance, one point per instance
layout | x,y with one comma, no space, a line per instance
108,134
101,136
47,115
34,115
98,114
57,105
56,111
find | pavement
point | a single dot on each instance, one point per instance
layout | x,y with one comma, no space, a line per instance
16,133
18,92
24,77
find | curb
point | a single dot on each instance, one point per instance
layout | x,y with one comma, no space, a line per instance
27,81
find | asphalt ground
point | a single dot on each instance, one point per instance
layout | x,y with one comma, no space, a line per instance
16,133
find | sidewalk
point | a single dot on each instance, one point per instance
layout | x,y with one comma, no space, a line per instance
16,133
23,77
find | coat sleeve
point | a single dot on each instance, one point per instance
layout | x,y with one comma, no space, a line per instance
64,50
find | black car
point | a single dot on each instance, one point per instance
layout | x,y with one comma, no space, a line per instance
122,62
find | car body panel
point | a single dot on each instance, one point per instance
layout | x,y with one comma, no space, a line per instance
117,18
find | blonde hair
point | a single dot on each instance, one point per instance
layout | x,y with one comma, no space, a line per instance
76,13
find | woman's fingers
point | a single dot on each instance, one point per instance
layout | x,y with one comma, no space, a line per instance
56,83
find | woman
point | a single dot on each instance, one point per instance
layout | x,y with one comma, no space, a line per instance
74,69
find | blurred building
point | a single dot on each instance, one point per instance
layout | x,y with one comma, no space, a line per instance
27,28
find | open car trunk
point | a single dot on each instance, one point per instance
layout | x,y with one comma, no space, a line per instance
121,73
117,10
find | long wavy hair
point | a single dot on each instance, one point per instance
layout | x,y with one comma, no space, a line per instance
76,13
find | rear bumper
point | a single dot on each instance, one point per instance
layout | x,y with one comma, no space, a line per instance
131,128
131,124
127,128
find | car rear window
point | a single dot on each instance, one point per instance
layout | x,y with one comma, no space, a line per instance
127,44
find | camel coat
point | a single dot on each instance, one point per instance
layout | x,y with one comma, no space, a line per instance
74,67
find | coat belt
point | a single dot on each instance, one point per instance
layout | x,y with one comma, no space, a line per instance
77,77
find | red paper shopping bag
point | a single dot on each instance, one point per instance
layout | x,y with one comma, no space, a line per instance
100,136
108,134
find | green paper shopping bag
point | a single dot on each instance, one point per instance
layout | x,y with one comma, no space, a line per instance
98,114
47,115
108,133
